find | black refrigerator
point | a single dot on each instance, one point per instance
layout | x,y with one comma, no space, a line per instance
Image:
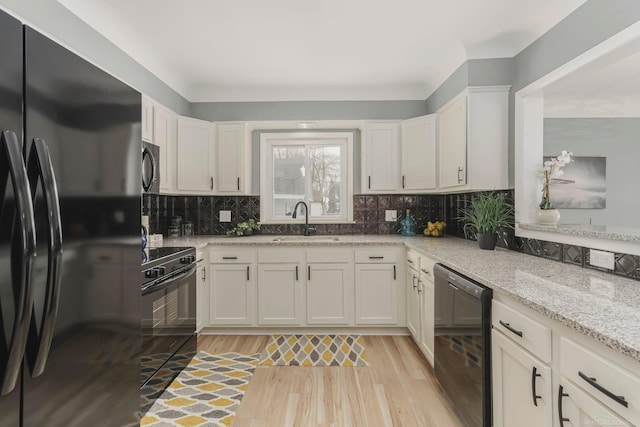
70,249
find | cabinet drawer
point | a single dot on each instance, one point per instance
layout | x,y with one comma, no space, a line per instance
104,255
376,256
426,266
280,255
231,257
337,255
413,260
530,334
606,381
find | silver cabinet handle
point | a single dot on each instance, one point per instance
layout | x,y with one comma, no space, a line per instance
212,183
459,177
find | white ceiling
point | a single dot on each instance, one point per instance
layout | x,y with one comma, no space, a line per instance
606,87
264,50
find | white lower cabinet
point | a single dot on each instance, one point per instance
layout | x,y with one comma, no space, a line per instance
280,294
376,294
577,409
579,381
376,287
232,299
522,390
329,294
232,289
202,296
413,303
426,297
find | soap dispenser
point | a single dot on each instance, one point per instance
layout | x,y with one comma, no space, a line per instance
408,225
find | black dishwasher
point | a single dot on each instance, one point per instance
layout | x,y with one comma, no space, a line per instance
462,354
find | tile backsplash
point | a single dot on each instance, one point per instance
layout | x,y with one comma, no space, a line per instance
369,217
369,213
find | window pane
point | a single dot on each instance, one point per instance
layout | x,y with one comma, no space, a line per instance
326,170
288,178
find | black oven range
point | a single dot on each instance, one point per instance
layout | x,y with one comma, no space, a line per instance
168,318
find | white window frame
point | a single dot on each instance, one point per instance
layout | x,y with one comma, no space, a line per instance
269,140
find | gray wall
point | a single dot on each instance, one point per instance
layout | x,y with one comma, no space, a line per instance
474,72
618,140
308,110
51,18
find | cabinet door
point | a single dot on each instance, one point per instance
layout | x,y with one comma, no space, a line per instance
232,295
230,157
202,298
195,155
329,294
382,157
578,409
164,137
516,376
413,304
426,341
147,119
419,159
452,144
376,294
280,294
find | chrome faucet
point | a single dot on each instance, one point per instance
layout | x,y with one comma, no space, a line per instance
307,230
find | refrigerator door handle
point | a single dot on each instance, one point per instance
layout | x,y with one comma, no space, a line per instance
22,258
40,169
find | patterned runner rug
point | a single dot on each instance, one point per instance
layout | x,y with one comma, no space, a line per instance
205,394
314,350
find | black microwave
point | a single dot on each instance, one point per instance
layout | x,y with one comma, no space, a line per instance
150,168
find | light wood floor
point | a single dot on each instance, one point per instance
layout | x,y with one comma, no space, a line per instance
398,388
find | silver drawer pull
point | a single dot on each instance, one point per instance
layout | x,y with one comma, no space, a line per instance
229,257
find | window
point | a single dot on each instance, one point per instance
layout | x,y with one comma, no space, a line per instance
310,167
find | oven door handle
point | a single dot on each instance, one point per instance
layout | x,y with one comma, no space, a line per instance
180,274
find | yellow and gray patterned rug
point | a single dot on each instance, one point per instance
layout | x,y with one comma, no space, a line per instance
314,350
205,394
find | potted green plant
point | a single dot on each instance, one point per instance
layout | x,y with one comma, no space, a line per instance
245,228
487,212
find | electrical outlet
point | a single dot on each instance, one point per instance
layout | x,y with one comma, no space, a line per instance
601,259
225,216
390,215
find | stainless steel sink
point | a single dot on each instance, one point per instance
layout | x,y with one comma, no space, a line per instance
306,239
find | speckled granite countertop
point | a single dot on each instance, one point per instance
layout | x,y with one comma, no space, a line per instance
625,234
602,306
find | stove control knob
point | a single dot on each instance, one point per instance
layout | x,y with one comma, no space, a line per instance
187,259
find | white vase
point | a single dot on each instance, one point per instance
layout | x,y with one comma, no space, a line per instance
548,216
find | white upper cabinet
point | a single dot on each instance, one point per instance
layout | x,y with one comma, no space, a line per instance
230,156
196,156
147,119
381,154
419,159
164,136
473,140
452,139
400,156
